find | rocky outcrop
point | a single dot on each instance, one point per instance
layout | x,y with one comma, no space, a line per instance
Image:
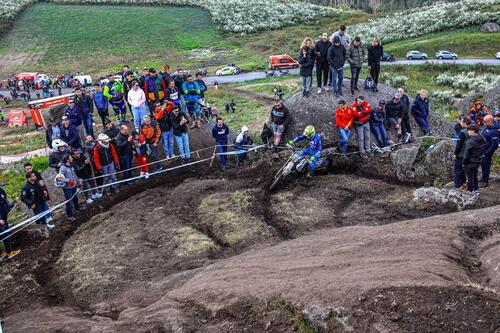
491,99
460,199
490,27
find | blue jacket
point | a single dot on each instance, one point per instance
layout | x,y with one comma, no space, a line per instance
490,134
377,117
203,88
85,105
74,115
220,134
315,145
191,91
420,107
100,101
70,136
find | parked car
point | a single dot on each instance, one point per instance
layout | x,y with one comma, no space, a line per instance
283,61
497,55
388,57
416,55
85,80
446,55
229,70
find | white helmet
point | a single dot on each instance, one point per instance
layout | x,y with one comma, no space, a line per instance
103,138
58,143
244,129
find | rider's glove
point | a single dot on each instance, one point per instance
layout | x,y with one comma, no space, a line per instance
312,159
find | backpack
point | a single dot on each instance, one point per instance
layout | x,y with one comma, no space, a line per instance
369,83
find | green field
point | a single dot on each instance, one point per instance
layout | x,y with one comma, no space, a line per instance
468,43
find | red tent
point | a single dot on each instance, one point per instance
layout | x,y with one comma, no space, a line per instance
17,118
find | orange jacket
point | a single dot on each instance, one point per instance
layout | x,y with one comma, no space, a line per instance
361,112
151,132
344,117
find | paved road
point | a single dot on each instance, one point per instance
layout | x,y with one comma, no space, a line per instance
260,75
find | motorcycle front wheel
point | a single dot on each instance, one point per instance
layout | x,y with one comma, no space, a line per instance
276,181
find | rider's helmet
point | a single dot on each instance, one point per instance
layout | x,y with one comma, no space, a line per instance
58,143
309,131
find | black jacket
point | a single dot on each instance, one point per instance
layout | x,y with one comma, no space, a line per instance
375,53
179,80
176,123
32,194
165,122
463,137
56,157
405,103
85,104
112,133
321,50
474,150
4,205
306,63
123,146
280,116
336,56
82,170
70,136
393,109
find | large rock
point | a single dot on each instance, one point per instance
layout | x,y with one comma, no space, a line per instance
460,199
490,27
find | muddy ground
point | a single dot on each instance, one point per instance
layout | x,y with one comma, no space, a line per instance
201,251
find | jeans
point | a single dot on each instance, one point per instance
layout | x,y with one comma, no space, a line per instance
87,123
168,142
109,173
40,208
355,76
193,109
322,70
380,134
45,208
126,161
68,194
183,103
486,167
154,154
375,72
183,145
423,123
103,113
364,140
221,150
344,138
337,78
459,172
307,83
139,114
471,172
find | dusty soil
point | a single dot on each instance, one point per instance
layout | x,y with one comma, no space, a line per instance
200,251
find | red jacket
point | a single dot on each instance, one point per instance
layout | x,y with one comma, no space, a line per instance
361,112
344,117
104,156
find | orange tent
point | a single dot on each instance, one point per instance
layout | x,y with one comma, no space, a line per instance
17,118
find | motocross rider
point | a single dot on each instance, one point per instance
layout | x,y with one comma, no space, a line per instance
314,150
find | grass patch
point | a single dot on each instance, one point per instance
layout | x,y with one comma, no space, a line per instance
20,140
467,43
13,176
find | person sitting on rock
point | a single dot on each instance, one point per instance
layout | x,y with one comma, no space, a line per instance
344,119
377,125
314,150
474,150
280,118
241,142
463,136
477,112
393,112
362,111
490,134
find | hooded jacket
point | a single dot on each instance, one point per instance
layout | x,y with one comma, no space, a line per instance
377,116
361,112
336,55
474,149
306,63
100,101
220,134
155,88
344,117
356,55
393,109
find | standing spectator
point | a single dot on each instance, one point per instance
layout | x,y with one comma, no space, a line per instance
322,65
75,116
336,58
394,112
69,133
125,149
5,205
342,35
490,134
67,179
106,161
53,131
355,57
127,86
32,195
137,100
421,110
220,133
344,119
377,125
83,171
155,89
114,92
458,155
111,131
306,61
474,149
60,149
141,153
84,103
202,85
375,53
143,77
151,131
362,110
241,142
179,82
28,167
165,75
191,91
179,124
5,208
162,116
404,121
173,93
125,71
280,118
101,103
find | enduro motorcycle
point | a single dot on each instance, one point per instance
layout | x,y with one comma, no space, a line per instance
297,164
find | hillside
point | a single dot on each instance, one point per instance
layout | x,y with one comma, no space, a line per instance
375,5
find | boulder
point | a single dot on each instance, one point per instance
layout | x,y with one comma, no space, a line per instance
460,199
403,160
490,27
438,159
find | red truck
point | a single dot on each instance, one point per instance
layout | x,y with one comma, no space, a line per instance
283,61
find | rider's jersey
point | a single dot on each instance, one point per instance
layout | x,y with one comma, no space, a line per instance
315,144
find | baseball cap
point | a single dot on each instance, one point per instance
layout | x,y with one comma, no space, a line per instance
381,102
325,35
